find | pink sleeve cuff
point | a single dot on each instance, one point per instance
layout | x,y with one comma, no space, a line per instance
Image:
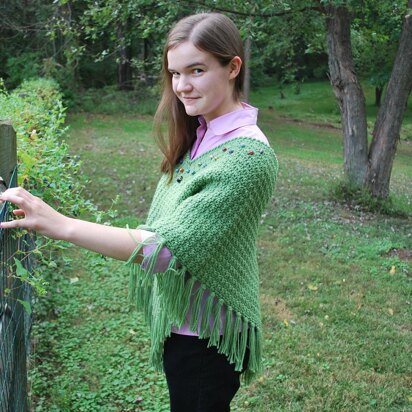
164,256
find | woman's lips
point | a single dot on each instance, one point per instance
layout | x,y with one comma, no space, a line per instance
189,99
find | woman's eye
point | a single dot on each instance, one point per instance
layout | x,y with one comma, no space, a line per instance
175,74
197,71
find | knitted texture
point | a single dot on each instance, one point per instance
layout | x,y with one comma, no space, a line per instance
208,217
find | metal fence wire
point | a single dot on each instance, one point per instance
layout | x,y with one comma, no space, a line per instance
15,321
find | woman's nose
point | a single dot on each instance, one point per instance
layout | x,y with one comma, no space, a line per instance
183,84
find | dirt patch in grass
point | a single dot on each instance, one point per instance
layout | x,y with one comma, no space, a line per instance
277,307
402,254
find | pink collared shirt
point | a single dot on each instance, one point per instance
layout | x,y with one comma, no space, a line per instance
234,124
239,123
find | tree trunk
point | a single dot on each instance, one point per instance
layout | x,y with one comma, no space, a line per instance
124,68
146,49
349,94
246,82
390,116
378,95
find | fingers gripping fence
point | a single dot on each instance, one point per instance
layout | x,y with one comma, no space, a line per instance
15,321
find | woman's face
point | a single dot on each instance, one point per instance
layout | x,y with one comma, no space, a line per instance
201,83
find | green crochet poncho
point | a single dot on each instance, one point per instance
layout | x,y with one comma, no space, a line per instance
208,217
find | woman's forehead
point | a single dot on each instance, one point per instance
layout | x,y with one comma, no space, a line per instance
187,55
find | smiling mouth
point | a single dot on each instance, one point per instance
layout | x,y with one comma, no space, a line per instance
190,98
189,101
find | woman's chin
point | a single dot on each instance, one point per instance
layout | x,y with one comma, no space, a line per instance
191,111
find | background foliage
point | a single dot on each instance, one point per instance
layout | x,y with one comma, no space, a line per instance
84,43
46,168
92,44
94,48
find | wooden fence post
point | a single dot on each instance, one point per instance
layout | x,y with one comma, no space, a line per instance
14,321
8,150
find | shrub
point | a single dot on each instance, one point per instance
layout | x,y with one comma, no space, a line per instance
46,167
109,100
359,198
27,65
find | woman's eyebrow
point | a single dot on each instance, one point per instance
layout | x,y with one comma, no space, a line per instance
189,66
195,64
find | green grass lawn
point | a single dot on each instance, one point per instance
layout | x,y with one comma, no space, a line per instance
335,281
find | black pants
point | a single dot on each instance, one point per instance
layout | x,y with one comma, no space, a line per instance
199,378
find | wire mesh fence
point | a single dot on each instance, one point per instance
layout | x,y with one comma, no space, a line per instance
15,318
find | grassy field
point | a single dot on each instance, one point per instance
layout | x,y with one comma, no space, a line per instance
335,280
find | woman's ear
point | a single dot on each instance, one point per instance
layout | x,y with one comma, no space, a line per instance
235,65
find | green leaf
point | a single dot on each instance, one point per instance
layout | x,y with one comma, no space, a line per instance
27,160
26,306
21,271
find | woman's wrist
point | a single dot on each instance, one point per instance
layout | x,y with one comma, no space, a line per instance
68,229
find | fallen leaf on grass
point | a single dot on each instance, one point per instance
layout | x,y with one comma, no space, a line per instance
312,287
393,270
74,280
390,310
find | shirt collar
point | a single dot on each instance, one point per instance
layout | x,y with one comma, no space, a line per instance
232,120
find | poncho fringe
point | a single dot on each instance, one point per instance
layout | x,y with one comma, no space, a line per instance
149,290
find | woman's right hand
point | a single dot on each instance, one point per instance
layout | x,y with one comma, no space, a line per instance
34,214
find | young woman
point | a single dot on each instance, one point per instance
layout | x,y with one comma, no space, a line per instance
193,265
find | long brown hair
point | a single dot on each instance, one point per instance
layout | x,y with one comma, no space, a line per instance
213,33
